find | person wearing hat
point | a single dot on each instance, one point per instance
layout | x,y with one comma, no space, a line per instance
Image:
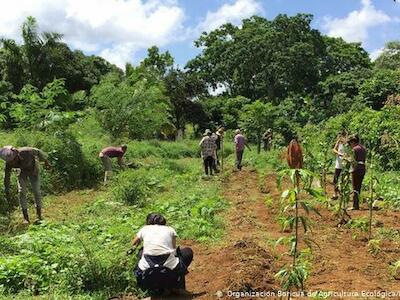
218,137
208,150
105,156
240,143
26,159
357,167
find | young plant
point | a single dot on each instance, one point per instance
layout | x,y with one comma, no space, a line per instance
294,276
344,195
373,182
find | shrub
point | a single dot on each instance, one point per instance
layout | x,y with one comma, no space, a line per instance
70,168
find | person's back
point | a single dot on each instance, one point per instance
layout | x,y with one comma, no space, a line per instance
158,240
360,154
240,142
160,265
208,146
113,152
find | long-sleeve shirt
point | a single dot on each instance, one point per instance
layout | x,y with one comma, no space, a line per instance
208,147
240,142
26,161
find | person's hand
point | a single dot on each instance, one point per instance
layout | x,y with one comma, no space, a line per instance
47,165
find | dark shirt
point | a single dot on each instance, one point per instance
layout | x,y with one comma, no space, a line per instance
360,154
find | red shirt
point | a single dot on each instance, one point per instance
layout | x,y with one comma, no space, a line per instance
360,154
113,152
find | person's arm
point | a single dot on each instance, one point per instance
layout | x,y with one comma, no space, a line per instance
121,162
7,181
135,241
174,242
336,148
42,156
201,142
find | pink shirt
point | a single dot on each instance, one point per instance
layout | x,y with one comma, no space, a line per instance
113,152
240,142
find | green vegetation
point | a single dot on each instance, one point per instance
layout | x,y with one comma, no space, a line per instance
85,255
280,74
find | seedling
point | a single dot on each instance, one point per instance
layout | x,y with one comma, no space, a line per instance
294,276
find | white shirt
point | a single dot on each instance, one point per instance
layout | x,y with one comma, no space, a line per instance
339,158
157,240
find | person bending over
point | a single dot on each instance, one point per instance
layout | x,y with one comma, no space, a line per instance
26,160
111,152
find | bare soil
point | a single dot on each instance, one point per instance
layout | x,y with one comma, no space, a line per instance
247,259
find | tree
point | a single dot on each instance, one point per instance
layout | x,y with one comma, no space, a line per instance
390,57
343,57
35,108
262,58
160,62
256,118
135,107
43,57
182,88
376,89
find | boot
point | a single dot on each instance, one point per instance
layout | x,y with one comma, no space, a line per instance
356,205
26,216
38,215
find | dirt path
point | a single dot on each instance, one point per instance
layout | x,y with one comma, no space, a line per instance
247,259
241,262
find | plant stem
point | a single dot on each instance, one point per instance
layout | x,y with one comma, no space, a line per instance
296,184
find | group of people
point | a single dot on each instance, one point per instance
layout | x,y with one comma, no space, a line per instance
356,158
211,145
161,264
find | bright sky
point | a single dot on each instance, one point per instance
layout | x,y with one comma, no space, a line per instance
122,30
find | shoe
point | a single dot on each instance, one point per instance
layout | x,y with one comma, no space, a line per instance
25,222
37,222
354,208
335,197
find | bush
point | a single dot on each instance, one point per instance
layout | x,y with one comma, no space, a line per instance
70,168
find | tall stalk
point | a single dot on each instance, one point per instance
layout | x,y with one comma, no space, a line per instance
371,196
296,187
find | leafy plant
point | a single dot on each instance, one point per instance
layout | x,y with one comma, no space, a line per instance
295,275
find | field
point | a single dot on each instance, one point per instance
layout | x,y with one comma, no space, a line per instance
274,228
232,221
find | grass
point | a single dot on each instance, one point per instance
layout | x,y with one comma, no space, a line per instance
83,256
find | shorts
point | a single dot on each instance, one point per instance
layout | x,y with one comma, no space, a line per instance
107,163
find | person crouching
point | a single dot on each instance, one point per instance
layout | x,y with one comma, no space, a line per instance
162,266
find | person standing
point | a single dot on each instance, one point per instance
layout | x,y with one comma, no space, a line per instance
358,168
240,143
267,139
219,135
208,151
26,159
111,152
338,149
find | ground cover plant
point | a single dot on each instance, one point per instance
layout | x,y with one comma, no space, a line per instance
309,88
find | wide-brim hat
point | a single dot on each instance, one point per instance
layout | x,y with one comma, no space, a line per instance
207,132
8,153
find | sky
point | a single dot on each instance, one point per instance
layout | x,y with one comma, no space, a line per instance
122,30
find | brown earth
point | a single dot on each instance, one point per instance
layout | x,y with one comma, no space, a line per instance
247,260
